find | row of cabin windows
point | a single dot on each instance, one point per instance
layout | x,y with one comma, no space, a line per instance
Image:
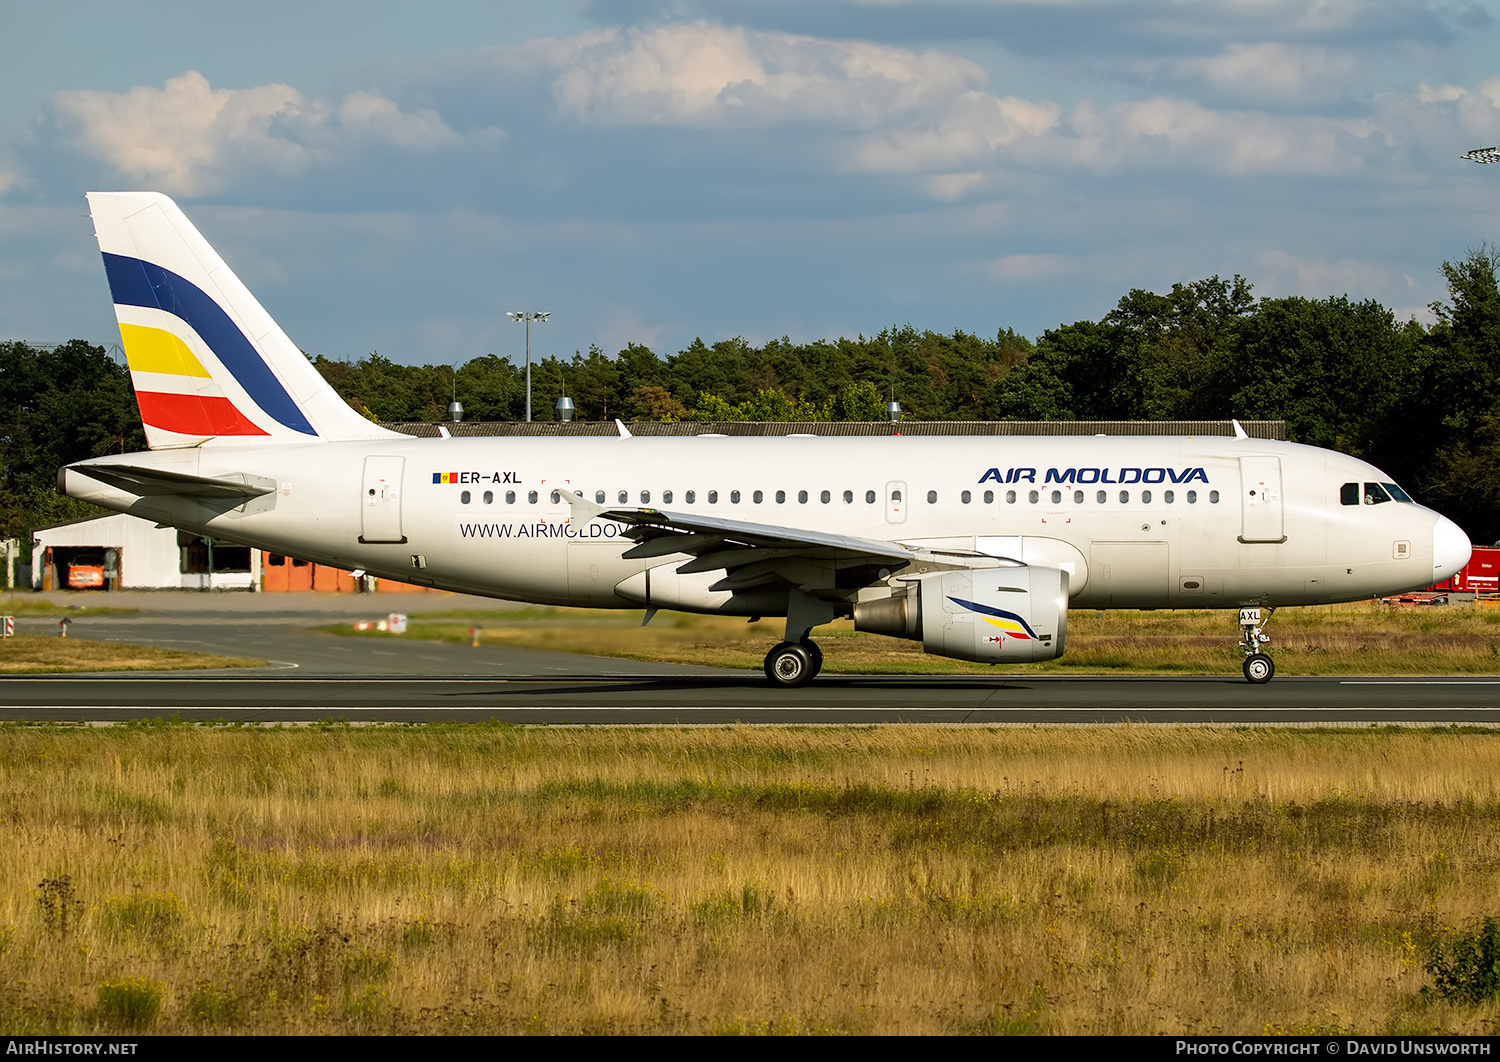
690,497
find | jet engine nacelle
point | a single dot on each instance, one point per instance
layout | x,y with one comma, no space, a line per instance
991,615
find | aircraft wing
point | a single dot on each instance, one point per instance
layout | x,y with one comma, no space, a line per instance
153,482
753,554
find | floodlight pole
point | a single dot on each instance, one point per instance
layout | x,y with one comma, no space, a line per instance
528,317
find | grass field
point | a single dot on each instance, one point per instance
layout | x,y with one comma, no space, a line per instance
31,605
1362,638
25,654
1125,879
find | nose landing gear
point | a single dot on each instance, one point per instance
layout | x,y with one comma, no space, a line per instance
1258,667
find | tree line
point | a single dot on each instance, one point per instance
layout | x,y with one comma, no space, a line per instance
1416,400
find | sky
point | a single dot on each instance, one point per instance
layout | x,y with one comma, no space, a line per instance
395,177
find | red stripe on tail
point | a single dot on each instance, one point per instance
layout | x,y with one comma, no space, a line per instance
193,414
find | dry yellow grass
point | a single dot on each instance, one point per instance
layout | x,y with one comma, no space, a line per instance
882,880
35,654
1364,638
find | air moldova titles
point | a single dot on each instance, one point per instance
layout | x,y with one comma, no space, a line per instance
1097,475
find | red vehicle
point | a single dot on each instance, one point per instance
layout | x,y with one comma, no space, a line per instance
1480,576
85,576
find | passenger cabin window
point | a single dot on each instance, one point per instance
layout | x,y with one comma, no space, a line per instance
464,497
989,496
1169,496
1192,497
666,497
510,497
713,497
623,497
1101,497
531,497
645,497
802,497
1213,497
1375,494
848,497
869,497
758,497
825,497
1146,497
895,495
781,497
1349,494
932,497
966,497
1032,497
1010,497
689,495
1078,497
734,497
1124,497
598,497
489,497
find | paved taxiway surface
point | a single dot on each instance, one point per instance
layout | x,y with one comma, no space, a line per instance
316,675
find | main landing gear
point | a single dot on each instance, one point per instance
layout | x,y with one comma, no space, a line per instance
1259,668
792,664
797,660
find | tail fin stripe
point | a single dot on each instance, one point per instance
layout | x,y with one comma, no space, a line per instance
194,414
159,351
133,282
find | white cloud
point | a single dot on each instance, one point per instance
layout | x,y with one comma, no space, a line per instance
697,73
1444,119
972,128
1168,130
187,138
1012,268
1266,71
946,187
1320,278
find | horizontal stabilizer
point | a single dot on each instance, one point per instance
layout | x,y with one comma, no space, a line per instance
152,482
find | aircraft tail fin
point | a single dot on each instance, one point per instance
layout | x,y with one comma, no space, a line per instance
206,360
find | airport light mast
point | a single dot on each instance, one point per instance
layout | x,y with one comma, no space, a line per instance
528,317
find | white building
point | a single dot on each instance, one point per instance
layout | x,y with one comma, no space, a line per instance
121,552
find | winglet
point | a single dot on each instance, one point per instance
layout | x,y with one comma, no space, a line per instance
1239,432
583,509
624,431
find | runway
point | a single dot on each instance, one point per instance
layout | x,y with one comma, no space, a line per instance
315,676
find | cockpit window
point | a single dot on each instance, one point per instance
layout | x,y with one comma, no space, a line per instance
1397,493
1349,494
1375,494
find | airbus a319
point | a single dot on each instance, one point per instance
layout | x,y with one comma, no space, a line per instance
974,546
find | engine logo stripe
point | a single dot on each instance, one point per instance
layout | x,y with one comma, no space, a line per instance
1008,622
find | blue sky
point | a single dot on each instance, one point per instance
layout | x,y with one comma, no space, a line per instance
653,171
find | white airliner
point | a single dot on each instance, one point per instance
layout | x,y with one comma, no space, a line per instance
974,546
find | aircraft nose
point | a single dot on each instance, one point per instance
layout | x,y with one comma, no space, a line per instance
1450,549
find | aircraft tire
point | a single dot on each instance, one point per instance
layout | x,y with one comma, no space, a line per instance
1259,668
817,656
790,665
